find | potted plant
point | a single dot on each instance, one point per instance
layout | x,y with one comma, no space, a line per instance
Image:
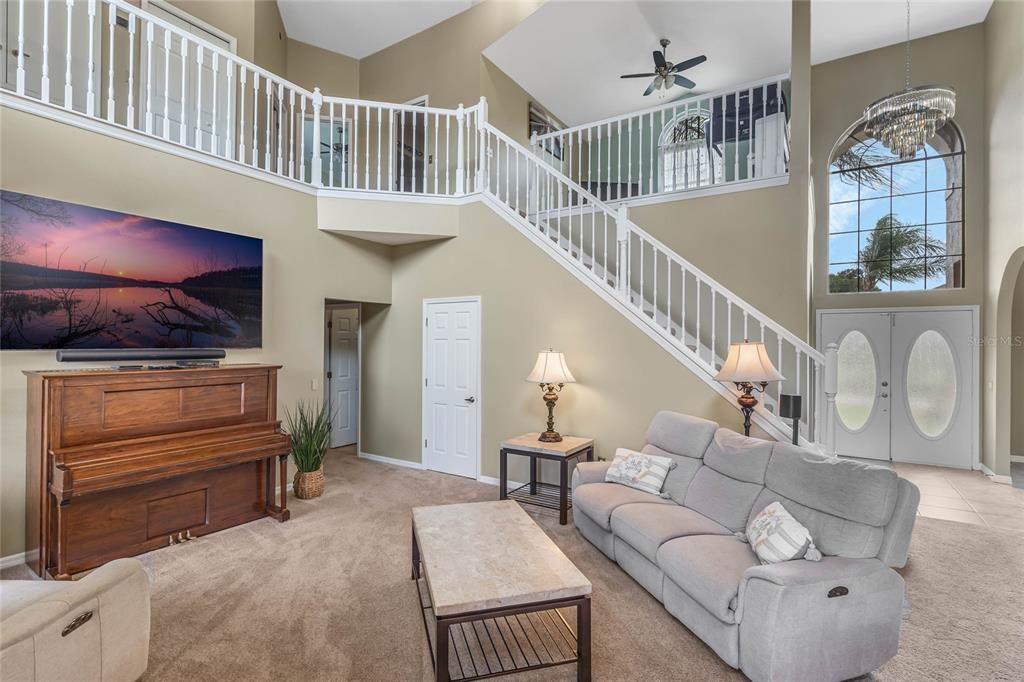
309,425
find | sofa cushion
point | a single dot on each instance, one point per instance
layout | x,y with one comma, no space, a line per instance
647,526
683,438
639,470
850,490
679,478
738,456
599,500
721,498
709,569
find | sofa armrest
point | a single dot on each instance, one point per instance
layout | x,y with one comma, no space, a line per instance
589,472
833,619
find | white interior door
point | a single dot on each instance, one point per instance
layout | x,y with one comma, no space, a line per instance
907,388
863,402
451,376
933,378
343,380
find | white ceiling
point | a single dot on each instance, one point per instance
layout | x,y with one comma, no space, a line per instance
569,55
358,28
840,28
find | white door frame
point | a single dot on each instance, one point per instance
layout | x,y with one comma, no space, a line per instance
359,359
975,311
479,372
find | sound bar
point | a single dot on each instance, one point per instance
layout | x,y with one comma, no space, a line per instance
135,354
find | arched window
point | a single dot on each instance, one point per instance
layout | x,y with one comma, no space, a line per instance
687,158
896,225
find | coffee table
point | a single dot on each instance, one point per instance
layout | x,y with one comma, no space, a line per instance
496,588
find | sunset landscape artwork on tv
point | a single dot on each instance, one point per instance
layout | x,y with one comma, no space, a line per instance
73,276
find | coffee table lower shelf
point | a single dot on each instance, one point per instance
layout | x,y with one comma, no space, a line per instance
509,640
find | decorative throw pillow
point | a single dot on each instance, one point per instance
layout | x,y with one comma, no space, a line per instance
776,536
640,471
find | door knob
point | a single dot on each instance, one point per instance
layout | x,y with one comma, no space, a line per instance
884,384
470,399
885,395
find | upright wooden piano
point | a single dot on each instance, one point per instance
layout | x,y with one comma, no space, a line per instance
121,462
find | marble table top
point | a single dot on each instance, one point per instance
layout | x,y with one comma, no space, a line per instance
486,555
569,445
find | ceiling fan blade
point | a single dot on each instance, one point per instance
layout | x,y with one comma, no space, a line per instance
659,59
689,63
655,84
638,75
684,81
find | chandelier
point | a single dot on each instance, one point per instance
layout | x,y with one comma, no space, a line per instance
905,120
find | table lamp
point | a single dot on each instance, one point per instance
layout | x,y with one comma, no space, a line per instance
749,368
552,374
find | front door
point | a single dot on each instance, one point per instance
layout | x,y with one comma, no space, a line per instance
343,379
451,375
906,384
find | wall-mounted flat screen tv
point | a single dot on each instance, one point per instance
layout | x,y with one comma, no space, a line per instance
74,276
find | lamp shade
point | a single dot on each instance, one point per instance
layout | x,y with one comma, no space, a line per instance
748,362
551,369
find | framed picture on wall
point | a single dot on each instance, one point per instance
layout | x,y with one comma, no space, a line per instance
542,123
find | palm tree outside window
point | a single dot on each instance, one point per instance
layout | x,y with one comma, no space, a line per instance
896,225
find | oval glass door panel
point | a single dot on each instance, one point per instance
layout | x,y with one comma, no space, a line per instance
858,381
931,383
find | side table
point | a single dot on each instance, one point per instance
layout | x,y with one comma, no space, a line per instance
547,495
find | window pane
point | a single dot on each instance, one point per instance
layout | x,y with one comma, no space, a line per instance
874,182
950,235
842,187
842,248
945,272
944,206
939,176
871,211
907,274
908,177
842,278
931,383
909,209
857,375
842,217
874,276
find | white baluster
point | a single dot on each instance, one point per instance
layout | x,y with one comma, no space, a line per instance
622,242
198,141
380,129
280,128
346,145
167,84
255,118
629,174
183,123
149,78
391,149
736,137
401,153
266,153
354,146
413,155
447,153
44,83
831,389
20,76
330,145
302,135
214,139
111,26
68,90
291,134
714,325
317,164
241,112
229,120
460,152
90,96
366,169
437,138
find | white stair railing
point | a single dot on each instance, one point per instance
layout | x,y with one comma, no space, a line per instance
720,138
698,315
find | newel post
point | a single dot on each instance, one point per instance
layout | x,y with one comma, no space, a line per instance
317,164
831,389
622,239
460,156
481,163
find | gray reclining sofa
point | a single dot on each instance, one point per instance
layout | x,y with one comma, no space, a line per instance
798,620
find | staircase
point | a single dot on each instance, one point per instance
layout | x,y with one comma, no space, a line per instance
254,122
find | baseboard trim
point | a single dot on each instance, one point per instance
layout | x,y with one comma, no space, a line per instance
12,560
994,477
389,460
1017,459
491,480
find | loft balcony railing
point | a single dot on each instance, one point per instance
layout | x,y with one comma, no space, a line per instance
117,68
704,141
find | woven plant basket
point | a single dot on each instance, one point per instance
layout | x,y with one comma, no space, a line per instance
309,484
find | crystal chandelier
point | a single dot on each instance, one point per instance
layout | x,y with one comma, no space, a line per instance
905,120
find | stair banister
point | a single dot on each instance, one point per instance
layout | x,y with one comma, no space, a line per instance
831,389
317,170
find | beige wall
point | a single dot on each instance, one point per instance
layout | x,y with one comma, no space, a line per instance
312,67
624,378
840,92
1017,369
1004,252
302,265
270,44
443,61
255,24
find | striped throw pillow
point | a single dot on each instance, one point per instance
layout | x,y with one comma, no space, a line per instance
640,471
776,536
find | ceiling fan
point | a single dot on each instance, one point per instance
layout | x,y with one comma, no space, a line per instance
666,74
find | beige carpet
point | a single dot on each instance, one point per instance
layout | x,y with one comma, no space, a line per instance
327,596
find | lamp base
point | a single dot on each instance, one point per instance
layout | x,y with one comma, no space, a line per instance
550,437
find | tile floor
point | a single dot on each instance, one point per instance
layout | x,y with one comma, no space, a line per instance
965,496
